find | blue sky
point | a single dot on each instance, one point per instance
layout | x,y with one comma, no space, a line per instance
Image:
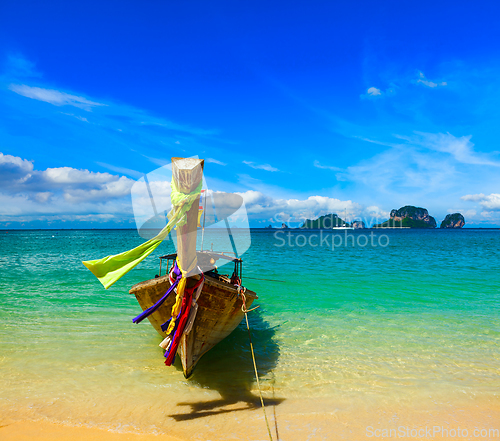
305,108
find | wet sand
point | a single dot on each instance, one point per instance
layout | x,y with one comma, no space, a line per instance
291,421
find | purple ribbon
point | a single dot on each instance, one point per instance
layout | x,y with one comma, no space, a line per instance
153,308
165,325
174,334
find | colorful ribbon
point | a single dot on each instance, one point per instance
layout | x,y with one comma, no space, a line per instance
150,310
111,268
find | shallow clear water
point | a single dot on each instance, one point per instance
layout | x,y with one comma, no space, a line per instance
416,320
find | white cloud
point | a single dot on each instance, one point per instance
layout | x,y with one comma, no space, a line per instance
317,164
15,206
215,161
111,123
376,212
24,190
114,189
122,170
54,97
373,91
373,141
428,83
424,163
41,220
69,175
43,196
461,148
428,170
296,211
488,202
266,167
18,66
399,169
14,170
81,118
160,124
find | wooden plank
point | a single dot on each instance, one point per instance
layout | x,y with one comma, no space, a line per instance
187,174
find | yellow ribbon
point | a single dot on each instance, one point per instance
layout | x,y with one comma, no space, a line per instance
176,309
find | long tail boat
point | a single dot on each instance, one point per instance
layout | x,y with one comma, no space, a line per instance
207,306
218,305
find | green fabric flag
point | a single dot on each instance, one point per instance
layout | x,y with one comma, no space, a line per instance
111,268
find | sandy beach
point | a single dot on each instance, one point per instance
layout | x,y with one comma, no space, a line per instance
25,431
291,421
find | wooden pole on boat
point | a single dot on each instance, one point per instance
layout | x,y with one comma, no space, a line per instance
187,174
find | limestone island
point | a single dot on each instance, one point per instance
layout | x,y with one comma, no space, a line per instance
409,217
358,224
455,220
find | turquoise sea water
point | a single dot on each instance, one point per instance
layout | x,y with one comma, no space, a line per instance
416,321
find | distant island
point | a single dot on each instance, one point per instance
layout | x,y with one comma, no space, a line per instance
418,217
405,217
283,227
409,217
455,220
328,221
358,224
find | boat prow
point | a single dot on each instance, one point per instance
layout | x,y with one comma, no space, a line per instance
219,313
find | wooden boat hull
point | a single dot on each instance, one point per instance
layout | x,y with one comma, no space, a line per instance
219,313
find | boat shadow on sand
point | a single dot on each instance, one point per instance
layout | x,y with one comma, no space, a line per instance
228,369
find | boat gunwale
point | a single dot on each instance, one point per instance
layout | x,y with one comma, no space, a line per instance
218,255
210,280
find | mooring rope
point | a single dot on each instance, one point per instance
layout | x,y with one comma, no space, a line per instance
267,280
242,290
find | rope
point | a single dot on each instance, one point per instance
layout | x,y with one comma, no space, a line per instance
267,280
204,216
242,290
